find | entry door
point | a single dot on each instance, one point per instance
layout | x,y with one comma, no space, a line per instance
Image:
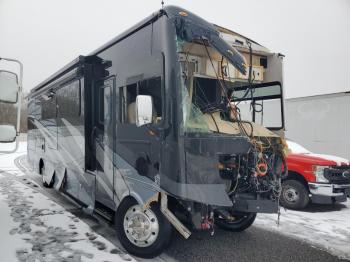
104,143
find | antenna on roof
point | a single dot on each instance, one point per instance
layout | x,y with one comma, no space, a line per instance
162,4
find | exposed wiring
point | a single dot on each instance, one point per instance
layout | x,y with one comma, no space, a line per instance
251,75
237,179
261,166
224,92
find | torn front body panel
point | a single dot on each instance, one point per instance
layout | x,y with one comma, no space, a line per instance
201,167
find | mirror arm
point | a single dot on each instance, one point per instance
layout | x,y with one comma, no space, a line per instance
164,130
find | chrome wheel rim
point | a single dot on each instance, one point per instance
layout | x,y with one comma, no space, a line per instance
141,226
291,195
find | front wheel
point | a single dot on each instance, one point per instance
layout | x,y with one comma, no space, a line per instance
294,195
144,233
236,222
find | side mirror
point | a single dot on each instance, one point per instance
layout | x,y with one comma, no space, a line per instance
9,87
144,110
7,133
10,93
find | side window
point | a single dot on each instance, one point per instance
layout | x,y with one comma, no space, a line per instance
69,100
128,94
48,108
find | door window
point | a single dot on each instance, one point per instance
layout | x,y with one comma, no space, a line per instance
128,94
106,107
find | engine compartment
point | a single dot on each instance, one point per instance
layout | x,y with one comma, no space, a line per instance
255,175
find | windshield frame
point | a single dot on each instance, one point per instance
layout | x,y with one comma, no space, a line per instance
262,85
186,105
208,37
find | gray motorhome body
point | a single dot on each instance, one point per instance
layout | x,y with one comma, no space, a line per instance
146,133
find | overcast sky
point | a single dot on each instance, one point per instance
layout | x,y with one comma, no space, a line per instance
314,35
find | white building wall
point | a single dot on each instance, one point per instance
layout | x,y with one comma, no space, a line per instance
320,123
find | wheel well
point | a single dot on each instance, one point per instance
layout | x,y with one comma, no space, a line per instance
126,197
117,208
41,165
296,176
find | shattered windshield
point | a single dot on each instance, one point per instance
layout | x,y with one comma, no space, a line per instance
199,48
214,92
193,117
218,83
202,92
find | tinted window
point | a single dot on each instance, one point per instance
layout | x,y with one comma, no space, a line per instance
68,99
48,108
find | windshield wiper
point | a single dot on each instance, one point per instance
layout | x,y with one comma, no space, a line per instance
195,28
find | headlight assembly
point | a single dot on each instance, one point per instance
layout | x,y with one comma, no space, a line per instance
319,174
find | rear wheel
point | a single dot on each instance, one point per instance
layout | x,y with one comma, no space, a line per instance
144,233
42,173
294,195
236,222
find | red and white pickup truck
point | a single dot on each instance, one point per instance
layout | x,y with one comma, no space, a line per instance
315,178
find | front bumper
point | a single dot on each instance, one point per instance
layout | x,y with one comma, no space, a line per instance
329,193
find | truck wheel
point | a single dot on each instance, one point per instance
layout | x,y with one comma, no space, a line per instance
238,223
144,233
294,195
42,173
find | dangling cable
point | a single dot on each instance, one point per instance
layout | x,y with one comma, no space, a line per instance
223,89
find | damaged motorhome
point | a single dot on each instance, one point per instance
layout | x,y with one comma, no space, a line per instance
176,123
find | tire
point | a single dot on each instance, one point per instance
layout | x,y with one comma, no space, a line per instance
294,195
45,184
152,241
241,222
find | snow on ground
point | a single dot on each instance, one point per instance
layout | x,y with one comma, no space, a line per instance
35,229
8,240
324,226
7,160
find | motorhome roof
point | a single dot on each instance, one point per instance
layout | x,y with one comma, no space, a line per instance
168,10
120,37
